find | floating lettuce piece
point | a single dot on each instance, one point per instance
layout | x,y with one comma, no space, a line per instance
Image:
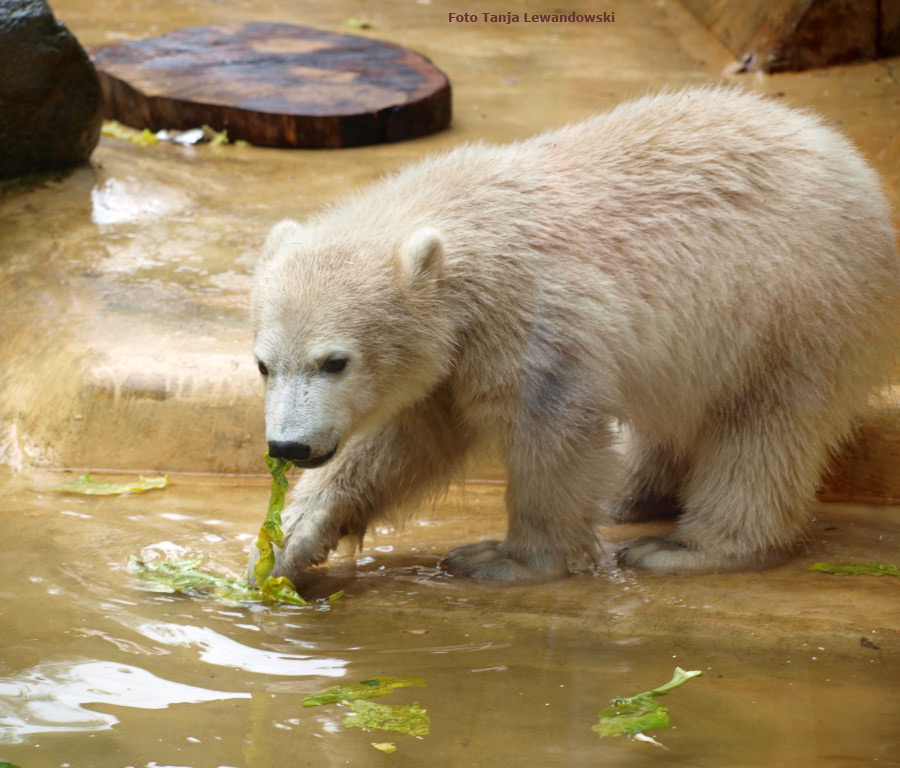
357,23
147,138
381,746
186,577
403,718
635,714
214,137
282,590
367,689
10,765
857,569
115,130
85,485
632,716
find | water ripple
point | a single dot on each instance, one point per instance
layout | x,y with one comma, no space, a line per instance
50,697
225,652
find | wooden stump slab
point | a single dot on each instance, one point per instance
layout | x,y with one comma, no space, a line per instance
791,35
276,85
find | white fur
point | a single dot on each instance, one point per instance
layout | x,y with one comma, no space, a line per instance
713,270
421,257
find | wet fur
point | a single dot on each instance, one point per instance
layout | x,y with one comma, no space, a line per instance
711,269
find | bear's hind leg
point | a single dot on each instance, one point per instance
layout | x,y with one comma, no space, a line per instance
747,498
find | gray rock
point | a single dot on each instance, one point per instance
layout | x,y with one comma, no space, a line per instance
51,103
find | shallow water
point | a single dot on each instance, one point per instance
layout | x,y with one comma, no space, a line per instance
95,670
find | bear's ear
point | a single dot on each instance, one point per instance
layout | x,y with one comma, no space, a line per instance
422,256
285,231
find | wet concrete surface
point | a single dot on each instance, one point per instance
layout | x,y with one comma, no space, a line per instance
126,345
125,283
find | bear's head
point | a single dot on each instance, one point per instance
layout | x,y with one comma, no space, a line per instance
348,331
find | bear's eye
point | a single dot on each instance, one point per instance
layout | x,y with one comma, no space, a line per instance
334,364
262,368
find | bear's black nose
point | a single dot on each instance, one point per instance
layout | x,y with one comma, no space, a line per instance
289,451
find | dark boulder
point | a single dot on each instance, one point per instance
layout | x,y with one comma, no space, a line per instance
51,103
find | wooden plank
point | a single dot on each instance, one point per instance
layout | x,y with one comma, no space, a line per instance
888,28
868,469
275,85
781,35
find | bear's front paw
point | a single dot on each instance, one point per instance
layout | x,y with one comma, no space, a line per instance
668,554
305,545
491,561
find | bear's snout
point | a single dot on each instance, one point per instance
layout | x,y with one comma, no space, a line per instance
289,451
298,454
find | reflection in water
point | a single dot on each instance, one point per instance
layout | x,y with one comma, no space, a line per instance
225,652
123,644
117,202
50,697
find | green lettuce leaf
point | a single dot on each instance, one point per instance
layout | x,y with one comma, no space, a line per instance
115,130
86,486
403,718
356,23
857,569
270,533
281,590
639,713
185,576
367,689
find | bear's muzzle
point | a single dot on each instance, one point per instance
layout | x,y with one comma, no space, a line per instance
298,454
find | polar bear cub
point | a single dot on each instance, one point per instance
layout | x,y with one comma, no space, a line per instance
710,269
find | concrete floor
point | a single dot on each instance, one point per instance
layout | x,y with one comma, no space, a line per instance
126,283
